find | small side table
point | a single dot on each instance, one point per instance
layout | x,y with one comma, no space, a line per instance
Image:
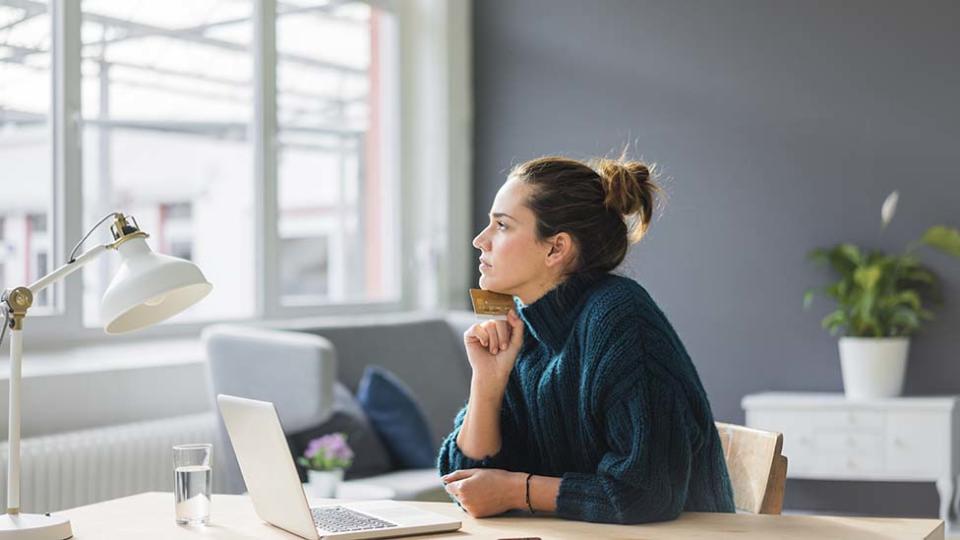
828,437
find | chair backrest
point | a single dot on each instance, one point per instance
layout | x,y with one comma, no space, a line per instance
757,470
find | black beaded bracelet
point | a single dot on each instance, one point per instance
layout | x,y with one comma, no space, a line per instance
529,506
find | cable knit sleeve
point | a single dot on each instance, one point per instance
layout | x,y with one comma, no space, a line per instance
509,457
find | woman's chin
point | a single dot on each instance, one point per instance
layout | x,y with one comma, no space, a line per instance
486,283
491,285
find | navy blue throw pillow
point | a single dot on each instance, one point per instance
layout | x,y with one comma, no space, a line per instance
397,418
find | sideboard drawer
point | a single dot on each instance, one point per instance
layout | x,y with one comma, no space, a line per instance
857,464
807,462
852,419
849,441
918,444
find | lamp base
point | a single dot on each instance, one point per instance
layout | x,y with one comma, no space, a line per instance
34,527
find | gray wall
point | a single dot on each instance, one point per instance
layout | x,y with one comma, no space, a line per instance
779,126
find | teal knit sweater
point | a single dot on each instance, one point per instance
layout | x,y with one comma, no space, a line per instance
604,395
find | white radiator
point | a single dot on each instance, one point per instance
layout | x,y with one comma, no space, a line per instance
83,467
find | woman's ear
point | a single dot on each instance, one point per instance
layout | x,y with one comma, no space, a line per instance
561,249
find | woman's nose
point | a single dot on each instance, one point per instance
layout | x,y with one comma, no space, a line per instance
477,239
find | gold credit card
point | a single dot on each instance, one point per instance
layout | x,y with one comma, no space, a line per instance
491,303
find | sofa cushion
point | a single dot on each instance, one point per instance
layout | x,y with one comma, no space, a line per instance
370,456
293,370
395,414
408,344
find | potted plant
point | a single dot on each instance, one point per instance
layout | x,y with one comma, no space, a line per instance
325,459
881,301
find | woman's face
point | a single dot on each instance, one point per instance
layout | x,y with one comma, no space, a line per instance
512,260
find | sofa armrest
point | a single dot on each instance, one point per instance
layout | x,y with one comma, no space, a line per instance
294,370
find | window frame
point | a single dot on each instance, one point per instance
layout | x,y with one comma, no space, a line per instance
433,112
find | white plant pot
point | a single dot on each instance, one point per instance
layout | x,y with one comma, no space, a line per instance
873,368
323,484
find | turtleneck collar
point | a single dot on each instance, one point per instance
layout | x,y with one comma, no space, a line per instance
550,318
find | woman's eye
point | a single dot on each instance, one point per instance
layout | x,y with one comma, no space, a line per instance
501,225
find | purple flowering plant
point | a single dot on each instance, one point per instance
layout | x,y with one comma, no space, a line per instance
327,453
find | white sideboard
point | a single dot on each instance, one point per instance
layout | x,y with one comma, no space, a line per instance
827,437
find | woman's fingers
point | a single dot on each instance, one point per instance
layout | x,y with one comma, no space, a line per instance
503,334
457,475
495,336
494,341
483,335
477,333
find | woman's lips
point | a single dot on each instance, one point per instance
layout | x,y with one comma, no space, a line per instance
484,265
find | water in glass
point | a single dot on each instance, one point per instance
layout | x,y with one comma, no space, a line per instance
193,479
192,490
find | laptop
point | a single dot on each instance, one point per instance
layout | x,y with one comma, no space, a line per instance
277,494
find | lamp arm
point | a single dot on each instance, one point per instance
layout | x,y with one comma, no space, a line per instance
15,305
67,269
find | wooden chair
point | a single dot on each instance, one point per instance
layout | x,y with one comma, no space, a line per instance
758,471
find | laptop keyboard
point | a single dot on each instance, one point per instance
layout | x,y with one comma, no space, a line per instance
340,519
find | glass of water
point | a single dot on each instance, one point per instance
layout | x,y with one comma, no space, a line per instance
192,476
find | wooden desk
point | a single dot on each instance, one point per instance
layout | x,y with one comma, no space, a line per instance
149,516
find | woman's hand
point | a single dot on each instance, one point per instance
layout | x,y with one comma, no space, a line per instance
492,348
487,492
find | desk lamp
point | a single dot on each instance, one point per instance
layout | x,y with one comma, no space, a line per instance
147,288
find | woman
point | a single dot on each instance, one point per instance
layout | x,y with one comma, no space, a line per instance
584,401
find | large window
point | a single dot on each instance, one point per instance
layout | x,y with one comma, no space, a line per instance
26,180
166,109
333,189
166,131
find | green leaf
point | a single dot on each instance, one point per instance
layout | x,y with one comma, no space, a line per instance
844,258
834,321
920,275
807,298
867,277
945,239
908,298
850,252
905,318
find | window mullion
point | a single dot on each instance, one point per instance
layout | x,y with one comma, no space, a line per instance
67,134
264,132
436,123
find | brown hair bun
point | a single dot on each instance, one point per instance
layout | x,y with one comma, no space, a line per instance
630,191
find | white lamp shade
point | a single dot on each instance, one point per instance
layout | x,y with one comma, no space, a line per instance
149,288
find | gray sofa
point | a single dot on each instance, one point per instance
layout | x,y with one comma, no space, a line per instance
295,366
